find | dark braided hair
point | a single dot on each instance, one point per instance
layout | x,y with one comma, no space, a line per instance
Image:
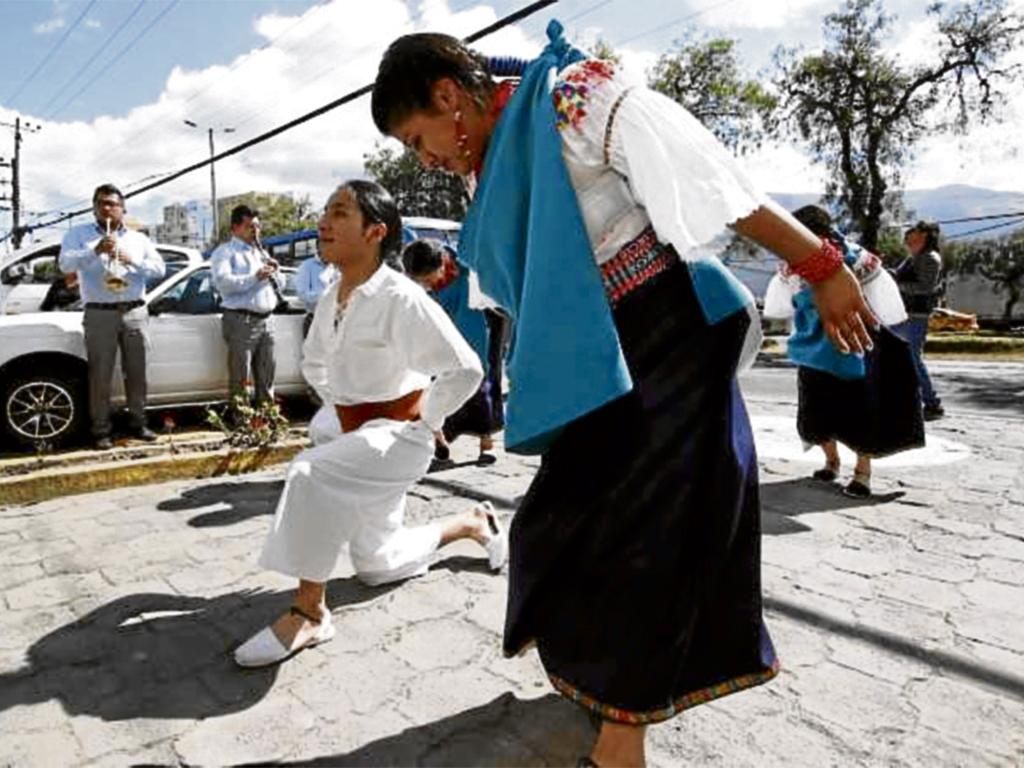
378,207
422,257
410,67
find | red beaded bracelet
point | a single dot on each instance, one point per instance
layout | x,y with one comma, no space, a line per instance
821,265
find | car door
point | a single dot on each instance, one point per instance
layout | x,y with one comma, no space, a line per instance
28,279
188,358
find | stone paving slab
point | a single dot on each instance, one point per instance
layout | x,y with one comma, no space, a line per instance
899,621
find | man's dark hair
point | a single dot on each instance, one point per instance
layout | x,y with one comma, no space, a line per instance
410,67
378,207
242,212
421,257
107,189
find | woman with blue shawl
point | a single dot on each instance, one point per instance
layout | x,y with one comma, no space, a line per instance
880,411
435,267
597,212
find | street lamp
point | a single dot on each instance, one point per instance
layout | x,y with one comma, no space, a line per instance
213,177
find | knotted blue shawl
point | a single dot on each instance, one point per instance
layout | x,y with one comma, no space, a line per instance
525,238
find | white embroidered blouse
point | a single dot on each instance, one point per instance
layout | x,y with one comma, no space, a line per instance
637,159
390,340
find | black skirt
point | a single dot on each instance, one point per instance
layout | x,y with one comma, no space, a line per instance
635,555
875,416
484,413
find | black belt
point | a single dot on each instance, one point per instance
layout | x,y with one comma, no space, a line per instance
250,313
119,306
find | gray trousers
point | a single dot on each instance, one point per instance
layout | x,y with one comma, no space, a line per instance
106,332
250,353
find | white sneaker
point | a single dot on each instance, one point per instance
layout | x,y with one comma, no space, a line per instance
264,649
497,538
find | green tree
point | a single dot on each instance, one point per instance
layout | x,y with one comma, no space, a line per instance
417,191
705,77
862,111
1001,262
602,49
279,214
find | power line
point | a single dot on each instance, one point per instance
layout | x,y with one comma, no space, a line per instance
351,96
1013,223
82,69
52,52
666,25
1014,214
116,58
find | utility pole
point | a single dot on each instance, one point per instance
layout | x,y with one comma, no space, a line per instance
17,233
213,176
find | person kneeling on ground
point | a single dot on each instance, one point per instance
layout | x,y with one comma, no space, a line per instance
390,364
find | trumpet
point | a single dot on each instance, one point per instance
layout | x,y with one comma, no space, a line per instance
114,277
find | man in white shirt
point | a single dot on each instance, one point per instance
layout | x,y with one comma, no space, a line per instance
113,264
249,283
313,276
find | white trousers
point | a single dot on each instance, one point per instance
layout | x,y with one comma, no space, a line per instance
351,488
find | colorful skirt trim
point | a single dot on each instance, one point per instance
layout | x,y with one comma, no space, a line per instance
703,696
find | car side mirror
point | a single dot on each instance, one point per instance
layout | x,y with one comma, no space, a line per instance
16,273
161,305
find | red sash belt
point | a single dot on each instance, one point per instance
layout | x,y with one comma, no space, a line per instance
404,408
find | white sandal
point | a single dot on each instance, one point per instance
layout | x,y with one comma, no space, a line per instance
497,538
264,649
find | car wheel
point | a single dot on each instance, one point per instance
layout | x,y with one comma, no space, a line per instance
44,409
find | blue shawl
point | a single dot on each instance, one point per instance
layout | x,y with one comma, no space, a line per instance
525,238
454,299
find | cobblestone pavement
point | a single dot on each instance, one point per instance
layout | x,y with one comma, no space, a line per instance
899,622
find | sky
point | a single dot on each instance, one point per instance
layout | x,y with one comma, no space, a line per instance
111,82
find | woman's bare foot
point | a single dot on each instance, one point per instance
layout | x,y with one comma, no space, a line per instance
620,745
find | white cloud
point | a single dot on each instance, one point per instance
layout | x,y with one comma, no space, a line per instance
93,24
313,58
308,60
759,14
46,27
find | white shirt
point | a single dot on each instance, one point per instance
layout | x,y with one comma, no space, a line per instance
391,339
234,266
77,254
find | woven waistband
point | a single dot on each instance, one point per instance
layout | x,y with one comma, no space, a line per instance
637,261
119,306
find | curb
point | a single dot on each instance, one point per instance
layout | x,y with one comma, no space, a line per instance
50,483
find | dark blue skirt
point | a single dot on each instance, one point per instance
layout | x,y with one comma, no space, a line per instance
635,555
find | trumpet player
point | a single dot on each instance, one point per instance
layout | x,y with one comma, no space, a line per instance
114,264
249,282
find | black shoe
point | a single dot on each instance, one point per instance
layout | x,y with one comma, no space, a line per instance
934,412
442,452
144,433
103,443
825,475
855,489
486,458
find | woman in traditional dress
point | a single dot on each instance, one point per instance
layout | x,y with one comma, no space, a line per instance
390,367
880,411
435,267
598,208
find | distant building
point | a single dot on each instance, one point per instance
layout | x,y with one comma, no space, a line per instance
180,225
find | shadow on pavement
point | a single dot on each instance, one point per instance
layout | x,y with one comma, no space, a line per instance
781,502
947,663
238,501
505,731
990,393
159,656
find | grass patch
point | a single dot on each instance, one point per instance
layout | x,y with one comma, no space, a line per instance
974,343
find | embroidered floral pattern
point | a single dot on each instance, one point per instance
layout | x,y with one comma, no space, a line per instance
573,92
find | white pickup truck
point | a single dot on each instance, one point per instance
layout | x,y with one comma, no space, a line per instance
43,381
